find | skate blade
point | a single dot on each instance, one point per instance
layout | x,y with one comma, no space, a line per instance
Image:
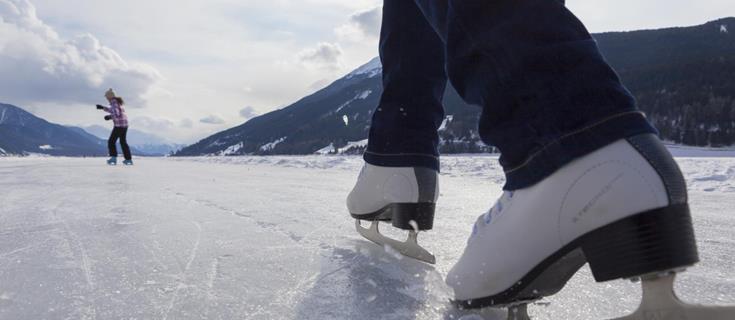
409,248
519,312
660,302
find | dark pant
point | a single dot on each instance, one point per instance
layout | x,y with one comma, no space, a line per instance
120,133
547,94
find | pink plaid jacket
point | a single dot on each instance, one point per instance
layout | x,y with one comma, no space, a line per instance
118,114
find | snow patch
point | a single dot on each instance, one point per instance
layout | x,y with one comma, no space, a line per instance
326,150
352,145
232,149
2,151
2,116
360,96
346,120
723,28
46,147
272,145
372,69
446,121
363,95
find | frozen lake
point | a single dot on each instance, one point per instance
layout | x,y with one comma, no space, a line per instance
269,238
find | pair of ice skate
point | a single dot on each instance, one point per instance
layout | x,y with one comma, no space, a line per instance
622,209
113,161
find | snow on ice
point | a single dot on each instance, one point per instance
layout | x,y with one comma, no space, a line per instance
269,238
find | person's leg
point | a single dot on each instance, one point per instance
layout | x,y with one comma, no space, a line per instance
588,180
124,143
548,95
403,132
399,181
112,148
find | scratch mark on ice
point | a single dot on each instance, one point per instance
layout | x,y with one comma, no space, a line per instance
86,263
182,275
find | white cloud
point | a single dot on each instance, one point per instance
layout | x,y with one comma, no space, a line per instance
325,56
224,53
362,25
38,65
248,112
212,119
186,123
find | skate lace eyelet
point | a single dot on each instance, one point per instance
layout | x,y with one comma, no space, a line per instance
488,217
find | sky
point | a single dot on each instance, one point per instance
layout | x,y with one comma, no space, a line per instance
190,68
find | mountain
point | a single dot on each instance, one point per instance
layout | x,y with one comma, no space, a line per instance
681,77
146,143
23,133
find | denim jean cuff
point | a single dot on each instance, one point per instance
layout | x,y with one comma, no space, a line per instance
571,146
402,160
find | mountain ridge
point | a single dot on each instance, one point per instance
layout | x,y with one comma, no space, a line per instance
680,77
22,133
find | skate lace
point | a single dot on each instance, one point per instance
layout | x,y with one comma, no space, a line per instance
497,209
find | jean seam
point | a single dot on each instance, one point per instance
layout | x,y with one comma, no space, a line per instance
570,134
402,154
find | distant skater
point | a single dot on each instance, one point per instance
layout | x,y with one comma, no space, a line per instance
120,131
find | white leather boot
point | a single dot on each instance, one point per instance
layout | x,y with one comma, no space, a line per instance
406,196
622,208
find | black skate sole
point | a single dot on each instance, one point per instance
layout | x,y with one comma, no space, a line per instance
406,216
649,242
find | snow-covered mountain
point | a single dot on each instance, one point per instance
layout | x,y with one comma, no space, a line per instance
332,120
22,133
682,78
147,143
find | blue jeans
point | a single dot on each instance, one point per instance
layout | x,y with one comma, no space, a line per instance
547,94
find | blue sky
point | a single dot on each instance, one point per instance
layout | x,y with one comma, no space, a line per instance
191,68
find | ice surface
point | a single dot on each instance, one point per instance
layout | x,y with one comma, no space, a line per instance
269,238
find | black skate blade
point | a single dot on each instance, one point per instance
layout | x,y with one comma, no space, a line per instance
519,312
409,248
660,302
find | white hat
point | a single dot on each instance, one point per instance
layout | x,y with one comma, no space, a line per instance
110,94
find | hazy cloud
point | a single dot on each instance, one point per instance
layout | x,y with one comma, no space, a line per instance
152,124
212,119
186,123
248,112
325,55
362,25
38,65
